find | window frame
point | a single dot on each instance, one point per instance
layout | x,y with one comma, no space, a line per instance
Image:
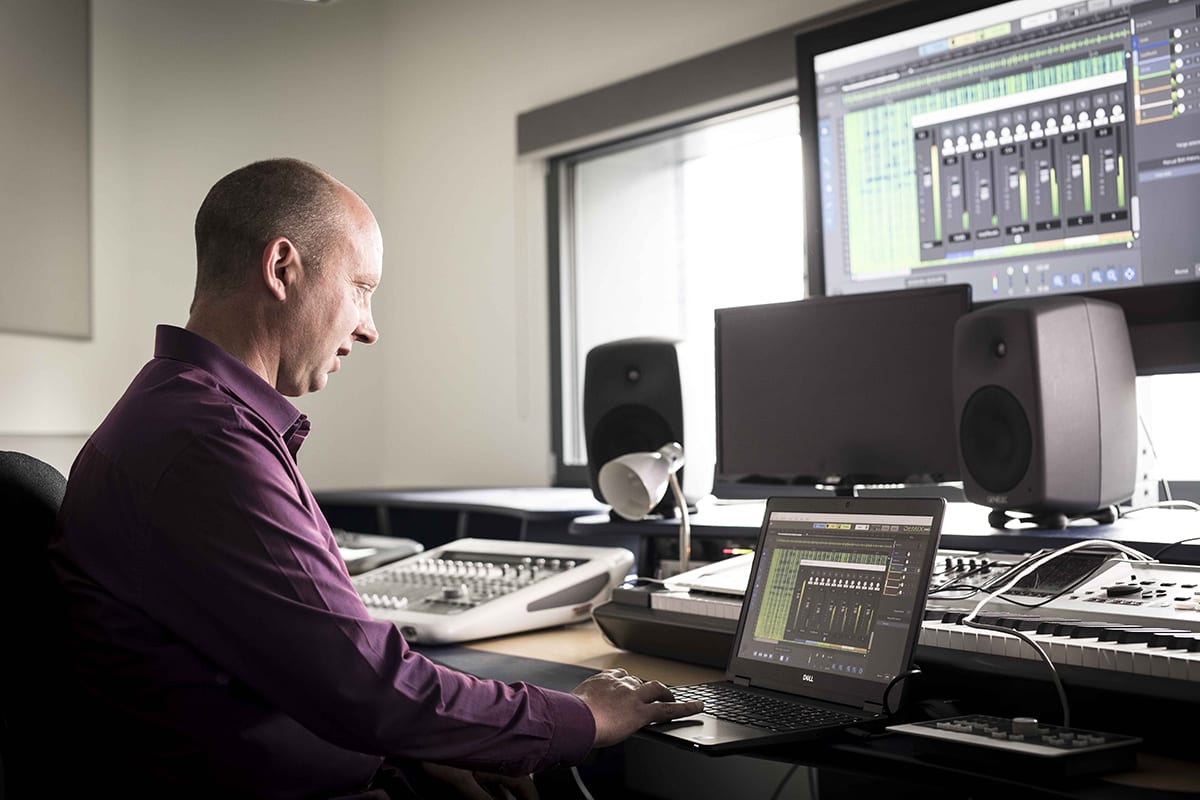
560,211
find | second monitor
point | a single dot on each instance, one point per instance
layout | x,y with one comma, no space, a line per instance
837,391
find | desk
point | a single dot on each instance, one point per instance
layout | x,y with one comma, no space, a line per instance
965,528
891,766
436,516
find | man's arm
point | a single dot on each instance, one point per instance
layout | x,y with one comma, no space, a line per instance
257,586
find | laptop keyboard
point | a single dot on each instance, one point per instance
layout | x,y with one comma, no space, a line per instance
760,710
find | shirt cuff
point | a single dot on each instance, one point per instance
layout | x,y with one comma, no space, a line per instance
574,730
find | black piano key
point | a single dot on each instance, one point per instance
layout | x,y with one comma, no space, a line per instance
1091,630
1028,624
1135,635
1172,639
1112,632
1048,626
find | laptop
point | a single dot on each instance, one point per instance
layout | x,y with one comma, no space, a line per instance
831,616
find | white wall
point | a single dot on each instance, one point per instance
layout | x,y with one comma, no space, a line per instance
411,102
471,395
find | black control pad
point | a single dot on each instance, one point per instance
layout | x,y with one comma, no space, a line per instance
1068,751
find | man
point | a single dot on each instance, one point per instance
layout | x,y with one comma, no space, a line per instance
221,647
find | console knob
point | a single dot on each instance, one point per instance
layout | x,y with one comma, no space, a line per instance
1024,725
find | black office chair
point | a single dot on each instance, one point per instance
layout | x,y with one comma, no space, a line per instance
35,710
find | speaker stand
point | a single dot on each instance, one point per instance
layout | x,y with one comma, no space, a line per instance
1051,520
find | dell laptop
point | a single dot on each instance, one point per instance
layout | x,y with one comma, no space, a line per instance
831,616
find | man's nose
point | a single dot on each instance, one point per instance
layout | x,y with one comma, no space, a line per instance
366,331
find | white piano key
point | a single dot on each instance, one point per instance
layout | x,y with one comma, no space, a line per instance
1193,668
1073,651
1161,660
1014,647
1056,647
1143,658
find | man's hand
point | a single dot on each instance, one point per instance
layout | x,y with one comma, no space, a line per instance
622,703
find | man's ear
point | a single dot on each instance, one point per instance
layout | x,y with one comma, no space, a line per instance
280,266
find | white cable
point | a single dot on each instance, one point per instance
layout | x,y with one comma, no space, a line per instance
1022,572
1038,561
583,790
1163,504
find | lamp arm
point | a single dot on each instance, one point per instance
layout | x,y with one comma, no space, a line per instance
685,527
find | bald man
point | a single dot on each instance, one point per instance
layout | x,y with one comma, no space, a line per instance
221,647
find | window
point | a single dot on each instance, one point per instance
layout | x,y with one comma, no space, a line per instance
654,234
1167,407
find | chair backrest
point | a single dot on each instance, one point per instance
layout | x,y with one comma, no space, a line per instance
33,672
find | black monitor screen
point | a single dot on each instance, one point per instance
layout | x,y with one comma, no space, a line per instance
1023,148
837,391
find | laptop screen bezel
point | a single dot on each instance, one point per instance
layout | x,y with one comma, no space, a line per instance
847,690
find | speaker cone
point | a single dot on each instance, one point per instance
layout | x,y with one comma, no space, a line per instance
996,441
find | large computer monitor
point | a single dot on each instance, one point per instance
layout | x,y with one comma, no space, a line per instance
837,392
1022,148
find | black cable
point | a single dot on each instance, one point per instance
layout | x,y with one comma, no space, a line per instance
787,776
1062,694
1049,599
968,588
1157,556
909,674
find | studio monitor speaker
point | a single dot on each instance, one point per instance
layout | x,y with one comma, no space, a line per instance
633,401
1044,394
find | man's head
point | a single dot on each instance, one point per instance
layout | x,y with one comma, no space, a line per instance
287,259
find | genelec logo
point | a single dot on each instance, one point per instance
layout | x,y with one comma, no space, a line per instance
807,678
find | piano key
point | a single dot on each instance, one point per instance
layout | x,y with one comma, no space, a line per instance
1141,635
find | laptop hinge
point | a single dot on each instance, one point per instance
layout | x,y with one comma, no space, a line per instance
741,681
872,708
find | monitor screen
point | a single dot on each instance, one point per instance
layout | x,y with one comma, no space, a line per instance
1022,148
837,391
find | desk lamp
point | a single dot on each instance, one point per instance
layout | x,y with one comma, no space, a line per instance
634,483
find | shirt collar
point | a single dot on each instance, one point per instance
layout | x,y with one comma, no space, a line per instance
179,344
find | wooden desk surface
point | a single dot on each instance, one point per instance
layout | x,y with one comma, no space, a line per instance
584,645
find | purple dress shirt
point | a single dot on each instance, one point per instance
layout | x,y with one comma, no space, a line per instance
216,628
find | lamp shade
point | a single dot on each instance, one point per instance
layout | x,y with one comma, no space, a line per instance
634,483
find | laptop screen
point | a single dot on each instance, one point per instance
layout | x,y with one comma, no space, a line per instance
838,591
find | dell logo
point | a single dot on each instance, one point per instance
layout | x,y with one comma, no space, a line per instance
807,678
